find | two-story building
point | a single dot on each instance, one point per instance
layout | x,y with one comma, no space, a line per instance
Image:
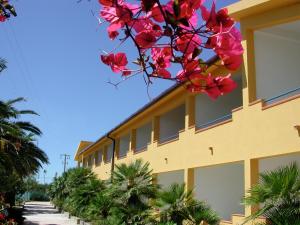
218,148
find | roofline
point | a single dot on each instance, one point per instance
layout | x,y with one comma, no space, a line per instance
146,106
245,8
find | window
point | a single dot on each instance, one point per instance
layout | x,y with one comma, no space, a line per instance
124,146
98,157
171,123
109,153
143,137
277,53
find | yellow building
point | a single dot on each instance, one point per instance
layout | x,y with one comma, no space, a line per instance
218,148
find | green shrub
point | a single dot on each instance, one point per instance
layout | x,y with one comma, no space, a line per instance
39,196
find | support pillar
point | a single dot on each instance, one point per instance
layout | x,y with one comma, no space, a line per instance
248,70
190,111
251,176
132,144
189,178
155,129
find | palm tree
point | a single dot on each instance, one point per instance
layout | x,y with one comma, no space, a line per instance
199,211
100,207
63,187
19,155
17,149
278,194
133,188
12,132
81,199
177,205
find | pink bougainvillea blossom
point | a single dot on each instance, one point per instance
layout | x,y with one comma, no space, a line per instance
2,18
117,62
168,33
161,56
106,2
187,43
118,16
216,20
219,86
146,38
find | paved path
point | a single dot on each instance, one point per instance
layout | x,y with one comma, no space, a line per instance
43,213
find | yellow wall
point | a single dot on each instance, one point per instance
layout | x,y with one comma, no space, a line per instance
255,131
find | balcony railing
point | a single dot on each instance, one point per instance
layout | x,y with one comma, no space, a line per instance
213,122
141,148
168,138
282,96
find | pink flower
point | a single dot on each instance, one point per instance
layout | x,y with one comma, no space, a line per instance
156,14
232,62
109,14
106,2
112,30
146,38
108,59
118,16
228,47
144,23
191,71
2,18
161,56
163,73
2,216
217,20
187,43
117,62
219,86
124,13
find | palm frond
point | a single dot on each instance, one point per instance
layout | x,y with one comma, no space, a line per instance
276,191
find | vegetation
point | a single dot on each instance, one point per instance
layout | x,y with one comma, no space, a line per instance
278,194
177,205
131,198
34,190
20,157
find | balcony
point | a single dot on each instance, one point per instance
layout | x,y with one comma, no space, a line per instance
123,146
210,112
98,157
277,53
108,154
143,137
283,96
171,124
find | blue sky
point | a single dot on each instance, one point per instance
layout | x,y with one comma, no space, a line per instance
52,49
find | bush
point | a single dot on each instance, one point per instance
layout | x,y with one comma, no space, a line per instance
38,196
131,198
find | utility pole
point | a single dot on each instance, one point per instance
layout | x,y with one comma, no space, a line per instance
65,162
45,171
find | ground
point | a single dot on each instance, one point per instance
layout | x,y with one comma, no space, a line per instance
43,213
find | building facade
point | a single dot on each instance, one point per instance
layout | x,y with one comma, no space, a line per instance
218,148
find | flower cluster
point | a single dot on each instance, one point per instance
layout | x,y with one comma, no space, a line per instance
5,221
175,32
6,10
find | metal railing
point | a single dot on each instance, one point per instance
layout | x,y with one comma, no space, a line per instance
282,96
141,148
168,138
216,121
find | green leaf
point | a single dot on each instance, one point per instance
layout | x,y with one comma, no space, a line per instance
176,8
